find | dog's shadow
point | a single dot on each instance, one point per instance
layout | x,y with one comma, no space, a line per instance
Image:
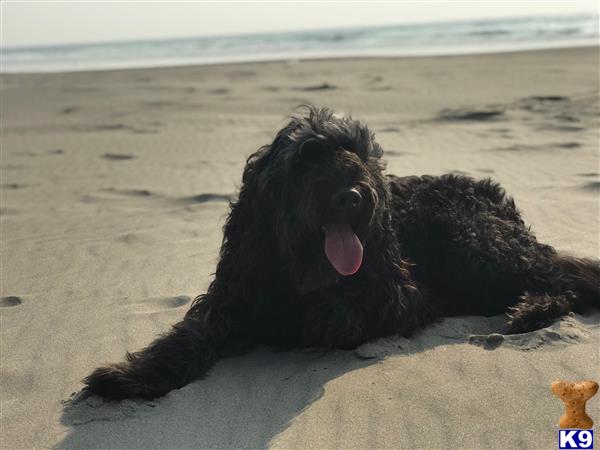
247,401
244,402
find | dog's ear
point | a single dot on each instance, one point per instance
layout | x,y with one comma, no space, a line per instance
247,236
256,179
247,249
253,164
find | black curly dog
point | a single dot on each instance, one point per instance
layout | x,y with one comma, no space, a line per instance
322,250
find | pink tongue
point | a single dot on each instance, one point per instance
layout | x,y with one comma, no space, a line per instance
343,248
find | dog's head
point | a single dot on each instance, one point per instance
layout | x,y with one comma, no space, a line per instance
321,182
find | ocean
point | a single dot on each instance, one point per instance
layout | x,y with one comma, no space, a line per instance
445,38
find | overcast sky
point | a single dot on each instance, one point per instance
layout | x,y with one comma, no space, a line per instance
52,22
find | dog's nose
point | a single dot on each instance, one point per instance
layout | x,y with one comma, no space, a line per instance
347,200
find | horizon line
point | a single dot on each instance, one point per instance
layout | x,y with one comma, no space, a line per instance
288,32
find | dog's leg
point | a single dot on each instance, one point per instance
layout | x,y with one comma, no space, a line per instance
573,285
183,354
538,311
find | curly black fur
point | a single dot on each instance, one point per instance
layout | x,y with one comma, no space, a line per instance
433,247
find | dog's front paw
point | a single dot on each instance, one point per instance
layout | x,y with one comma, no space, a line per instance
116,382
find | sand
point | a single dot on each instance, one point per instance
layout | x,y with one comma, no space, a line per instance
114,190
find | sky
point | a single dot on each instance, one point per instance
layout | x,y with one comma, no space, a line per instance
27,23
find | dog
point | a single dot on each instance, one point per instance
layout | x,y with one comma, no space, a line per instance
321,249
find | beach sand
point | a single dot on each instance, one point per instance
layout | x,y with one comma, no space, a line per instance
114,190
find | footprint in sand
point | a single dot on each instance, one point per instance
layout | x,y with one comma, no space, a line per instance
130,192
117,156
167,302
549,98
133,239
319,87
69,110
514,148
469,115
159,305
563,117
158,103
219,91
591,186
14,185
380,88
567,128
208,197
569,145
540,103
120,195
540,147
176,302
125,195
10,301
109,127
394,153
